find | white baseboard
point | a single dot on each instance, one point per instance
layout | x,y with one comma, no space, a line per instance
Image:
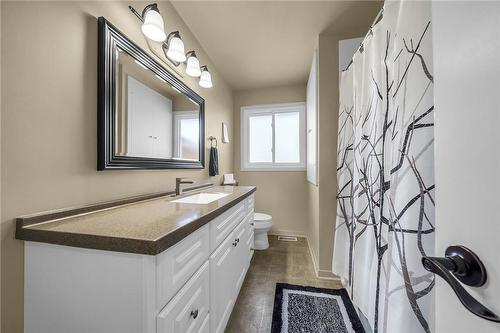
327,275
320,273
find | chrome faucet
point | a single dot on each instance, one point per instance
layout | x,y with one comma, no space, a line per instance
178,182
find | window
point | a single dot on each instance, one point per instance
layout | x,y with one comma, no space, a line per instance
186,135
273,137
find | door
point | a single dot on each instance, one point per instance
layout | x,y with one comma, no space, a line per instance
149,115
162,128
466,50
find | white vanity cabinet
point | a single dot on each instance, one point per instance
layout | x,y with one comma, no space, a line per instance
190,287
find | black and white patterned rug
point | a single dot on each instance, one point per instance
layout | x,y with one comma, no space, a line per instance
299,309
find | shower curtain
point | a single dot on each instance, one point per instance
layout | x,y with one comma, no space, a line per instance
385,172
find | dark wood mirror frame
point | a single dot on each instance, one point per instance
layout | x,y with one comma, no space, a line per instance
109,40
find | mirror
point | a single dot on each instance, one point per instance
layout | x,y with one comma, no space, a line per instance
147,117
153,119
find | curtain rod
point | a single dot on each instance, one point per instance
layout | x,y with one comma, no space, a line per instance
377,19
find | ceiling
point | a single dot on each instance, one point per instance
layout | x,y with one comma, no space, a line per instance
257,44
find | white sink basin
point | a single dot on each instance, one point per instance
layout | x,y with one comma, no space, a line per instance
201,198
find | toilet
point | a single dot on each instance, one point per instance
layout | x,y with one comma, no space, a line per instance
262,223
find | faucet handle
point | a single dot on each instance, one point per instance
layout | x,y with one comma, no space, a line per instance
183,181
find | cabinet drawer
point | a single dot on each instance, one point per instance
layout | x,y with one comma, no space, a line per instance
188,310
224,224
176,265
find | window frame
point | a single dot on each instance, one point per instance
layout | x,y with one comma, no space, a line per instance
272,109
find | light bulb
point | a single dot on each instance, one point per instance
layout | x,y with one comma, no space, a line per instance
153,24
175,50
193,65
205,78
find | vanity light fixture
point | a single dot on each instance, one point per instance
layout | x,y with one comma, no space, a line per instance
152,26
192,65
205,78
172,45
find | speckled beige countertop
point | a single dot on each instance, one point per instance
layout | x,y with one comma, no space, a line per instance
146,227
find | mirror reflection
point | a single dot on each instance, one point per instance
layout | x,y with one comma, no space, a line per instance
153,119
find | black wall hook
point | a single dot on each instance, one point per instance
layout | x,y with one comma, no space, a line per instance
212,138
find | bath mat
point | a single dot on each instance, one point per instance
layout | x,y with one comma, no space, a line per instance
299,309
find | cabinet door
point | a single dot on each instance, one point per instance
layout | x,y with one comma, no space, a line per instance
250,203
222,283
241,253
249,236
205,326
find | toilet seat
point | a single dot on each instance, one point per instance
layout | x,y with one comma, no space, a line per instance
262,221
261,217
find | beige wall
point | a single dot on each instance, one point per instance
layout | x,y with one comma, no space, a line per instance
284,195
0,155
328,105
321,230
48,132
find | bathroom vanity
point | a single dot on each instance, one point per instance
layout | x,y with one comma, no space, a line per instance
153,264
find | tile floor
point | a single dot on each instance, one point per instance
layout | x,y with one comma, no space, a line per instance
288,262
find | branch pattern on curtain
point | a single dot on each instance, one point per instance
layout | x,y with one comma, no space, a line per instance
385,171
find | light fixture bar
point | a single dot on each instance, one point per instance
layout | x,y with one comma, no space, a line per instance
173,45
136,13
165,43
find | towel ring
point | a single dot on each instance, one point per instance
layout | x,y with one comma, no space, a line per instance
212,138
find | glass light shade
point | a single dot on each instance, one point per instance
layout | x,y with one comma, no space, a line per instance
176,50
206,79
193,66
153,26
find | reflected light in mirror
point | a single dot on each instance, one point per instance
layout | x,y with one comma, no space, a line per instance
153,24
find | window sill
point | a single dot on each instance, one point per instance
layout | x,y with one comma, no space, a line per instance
278,169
